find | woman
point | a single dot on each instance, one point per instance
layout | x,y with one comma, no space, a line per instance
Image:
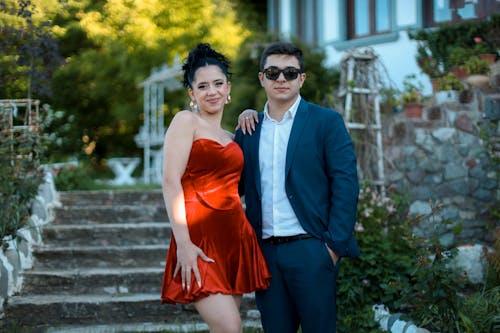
214,256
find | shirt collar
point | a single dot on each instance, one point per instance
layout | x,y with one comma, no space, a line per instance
292,111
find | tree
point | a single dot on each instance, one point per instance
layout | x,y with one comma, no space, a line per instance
122,41
28,52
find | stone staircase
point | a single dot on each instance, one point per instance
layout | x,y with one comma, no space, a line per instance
100,269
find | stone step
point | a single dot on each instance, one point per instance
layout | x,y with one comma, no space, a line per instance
107,234
36,310
249,325
48,257
93,280
93,214
111,197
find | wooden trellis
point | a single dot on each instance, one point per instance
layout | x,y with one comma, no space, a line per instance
360,87
19,117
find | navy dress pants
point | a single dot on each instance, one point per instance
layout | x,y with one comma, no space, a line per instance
303,288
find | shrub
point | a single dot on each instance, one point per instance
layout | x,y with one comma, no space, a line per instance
475,65
387,258
427,63
449,82
441,40
74,177
409,275
20,175
412,90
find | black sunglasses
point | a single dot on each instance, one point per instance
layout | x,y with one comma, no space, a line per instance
273,72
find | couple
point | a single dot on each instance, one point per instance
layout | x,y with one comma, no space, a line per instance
298,175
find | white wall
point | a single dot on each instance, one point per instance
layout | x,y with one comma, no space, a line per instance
397,57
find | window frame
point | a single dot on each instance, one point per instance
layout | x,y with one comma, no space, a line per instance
483,8
351,20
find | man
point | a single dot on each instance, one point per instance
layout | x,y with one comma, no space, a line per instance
301,189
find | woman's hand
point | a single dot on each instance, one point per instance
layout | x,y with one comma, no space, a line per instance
187,262
247,120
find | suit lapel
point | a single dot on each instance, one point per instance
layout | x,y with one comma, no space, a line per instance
298,126
254,153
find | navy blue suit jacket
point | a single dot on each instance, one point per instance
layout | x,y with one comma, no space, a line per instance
321,177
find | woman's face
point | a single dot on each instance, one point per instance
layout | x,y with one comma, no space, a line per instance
210,89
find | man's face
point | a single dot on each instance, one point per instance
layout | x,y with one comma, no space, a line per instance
282,89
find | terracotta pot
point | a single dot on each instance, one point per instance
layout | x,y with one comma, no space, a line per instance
478,80
460,73
489,57
413,110
434,83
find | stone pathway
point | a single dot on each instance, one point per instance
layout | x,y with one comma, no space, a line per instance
99,269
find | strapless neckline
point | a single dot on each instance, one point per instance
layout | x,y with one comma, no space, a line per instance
214,141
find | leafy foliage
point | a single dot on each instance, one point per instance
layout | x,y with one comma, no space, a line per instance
20,175
122,42
449,81
475,65
109,47
28,52
74,178
409,275
412,89
438,43
386,261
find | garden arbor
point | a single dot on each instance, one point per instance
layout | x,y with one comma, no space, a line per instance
151,134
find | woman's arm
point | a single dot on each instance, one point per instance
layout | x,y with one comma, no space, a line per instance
176,150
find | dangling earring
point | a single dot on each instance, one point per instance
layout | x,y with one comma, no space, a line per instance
228,99
193,105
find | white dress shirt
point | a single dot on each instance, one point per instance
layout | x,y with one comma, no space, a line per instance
278,217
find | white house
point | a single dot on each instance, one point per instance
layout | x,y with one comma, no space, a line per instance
338,25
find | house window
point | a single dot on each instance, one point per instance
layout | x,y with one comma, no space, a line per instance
368,17
438,12
305,27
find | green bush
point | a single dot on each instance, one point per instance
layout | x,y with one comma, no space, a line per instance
74,177
387,259
442,42
449,82
20,176
409,275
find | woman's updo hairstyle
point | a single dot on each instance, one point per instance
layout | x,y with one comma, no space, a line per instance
203,55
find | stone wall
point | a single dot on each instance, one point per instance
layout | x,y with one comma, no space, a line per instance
17,256
441,159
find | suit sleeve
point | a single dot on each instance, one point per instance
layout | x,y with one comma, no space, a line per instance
238,138
344,188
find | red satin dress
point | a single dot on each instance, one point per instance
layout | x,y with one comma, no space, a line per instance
218,225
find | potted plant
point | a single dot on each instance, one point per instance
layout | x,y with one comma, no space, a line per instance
412,96
484,51
428,64
449,87
478,71
458,57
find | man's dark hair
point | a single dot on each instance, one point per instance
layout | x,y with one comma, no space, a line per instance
284,48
